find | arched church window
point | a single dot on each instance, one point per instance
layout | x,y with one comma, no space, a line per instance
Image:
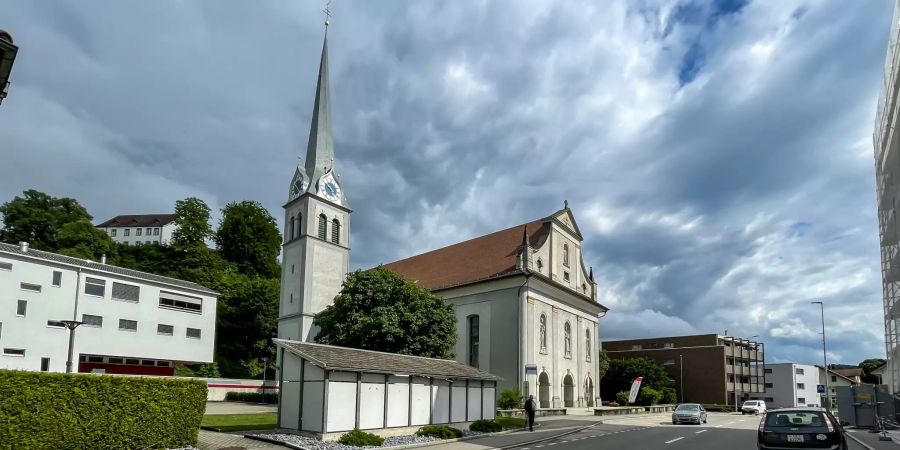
566,255
587,345
335,231
543,325
323,227
540,265
473,341
584,288
292,234
567,339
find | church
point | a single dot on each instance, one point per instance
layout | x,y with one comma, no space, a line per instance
526,305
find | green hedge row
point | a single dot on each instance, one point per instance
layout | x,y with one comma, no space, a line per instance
59,411
251,397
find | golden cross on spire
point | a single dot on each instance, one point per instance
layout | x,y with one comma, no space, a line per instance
327,12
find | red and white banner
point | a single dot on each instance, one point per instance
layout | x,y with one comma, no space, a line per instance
635,387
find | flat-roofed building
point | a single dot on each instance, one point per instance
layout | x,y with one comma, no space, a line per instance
134,322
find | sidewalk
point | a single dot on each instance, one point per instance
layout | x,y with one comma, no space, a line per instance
210,440
871,439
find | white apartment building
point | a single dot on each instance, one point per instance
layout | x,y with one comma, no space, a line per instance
140,229
789,385
134,322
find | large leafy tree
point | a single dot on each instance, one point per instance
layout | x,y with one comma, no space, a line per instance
82,239
246,323
37,218
248,236
868,366
602,364
379,310
192,218
621,372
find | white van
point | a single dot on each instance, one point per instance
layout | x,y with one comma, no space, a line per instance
753,407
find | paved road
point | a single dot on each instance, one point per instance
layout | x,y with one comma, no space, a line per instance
724,431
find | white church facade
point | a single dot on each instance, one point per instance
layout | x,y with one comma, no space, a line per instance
526,305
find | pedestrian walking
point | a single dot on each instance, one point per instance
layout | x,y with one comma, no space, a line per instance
529,412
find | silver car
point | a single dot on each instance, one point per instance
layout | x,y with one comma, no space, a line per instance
689,413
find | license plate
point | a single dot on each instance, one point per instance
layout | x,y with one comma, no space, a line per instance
795,438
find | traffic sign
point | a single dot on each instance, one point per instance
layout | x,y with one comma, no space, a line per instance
820,388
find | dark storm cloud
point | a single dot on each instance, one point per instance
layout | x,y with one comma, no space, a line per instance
716,154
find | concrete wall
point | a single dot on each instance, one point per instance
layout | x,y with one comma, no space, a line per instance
39,340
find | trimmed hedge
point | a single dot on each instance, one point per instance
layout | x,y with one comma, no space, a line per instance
358,438
251,397
440,432
486,426
62,411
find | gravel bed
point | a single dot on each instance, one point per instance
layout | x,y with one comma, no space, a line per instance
314,444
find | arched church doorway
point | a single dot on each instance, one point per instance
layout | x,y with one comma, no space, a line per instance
544,390
568,391
589,391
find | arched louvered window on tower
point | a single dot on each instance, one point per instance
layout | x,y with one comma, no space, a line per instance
299,225
335,231
290,230
323,227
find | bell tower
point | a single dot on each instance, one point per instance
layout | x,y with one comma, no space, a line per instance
316,249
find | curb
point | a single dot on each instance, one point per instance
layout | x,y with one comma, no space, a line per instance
866,446
273,441
551,437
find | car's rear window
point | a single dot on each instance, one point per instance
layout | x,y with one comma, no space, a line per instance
750,403
687,408
795,419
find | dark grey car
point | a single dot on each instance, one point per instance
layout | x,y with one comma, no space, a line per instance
689,413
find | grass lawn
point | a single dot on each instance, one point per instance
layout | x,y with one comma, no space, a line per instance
511,422
239,422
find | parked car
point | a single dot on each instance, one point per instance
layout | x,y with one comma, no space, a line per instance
800,428
753,407
689,413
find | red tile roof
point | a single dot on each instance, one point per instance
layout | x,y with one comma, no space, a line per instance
483,258
139,220
849,373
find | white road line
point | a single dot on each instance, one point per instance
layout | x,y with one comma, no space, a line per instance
718,426
673,440
701,431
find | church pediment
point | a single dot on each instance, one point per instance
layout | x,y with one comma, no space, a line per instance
565,219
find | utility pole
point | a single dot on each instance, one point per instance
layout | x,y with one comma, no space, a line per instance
681,376
827,398
71,325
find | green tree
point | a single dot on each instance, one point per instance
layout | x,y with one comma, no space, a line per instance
83,240
37,218
379,310
868,366
247,321
602,364
248,236
192,218
622,371
510,399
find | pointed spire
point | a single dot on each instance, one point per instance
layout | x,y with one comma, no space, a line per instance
525,236
320,150
591,274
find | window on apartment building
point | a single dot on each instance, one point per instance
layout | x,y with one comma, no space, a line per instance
45,364
182,302
90,320
801,400
801,385
13,352
148,242
21,307
31,287
833,379
473,340
636,347
149,230
57,279
94,286
767,370
156,231
148,362
138,231
55,324
95,359
127,325
115,360
769,385
132,361
112,232
165,330
669,345
5,266
669,362
798,371
126,292
128,232
193,333
162,364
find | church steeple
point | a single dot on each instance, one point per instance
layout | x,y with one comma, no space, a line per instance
320,150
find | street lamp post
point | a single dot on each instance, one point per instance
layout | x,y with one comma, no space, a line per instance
71,325
681,376
826,397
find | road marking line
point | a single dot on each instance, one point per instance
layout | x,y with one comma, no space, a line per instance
673,440
701,431
718,426
551,444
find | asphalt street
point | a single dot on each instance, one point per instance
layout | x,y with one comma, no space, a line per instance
723,431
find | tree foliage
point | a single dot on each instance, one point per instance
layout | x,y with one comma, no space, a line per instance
248,236
623,371
37,218
192,218
868,366
82,239
247,322
602,364
379,310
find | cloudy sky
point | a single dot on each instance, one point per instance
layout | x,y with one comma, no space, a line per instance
717,155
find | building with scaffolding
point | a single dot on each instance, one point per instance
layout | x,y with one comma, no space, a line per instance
887,179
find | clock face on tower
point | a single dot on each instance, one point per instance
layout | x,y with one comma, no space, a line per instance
329,188
296,188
